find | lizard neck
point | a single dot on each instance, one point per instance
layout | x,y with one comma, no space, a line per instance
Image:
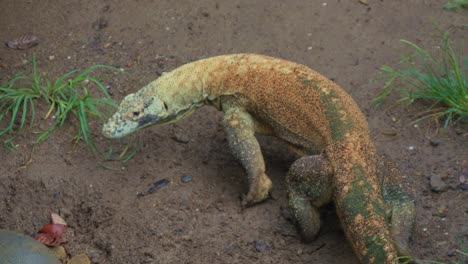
192,85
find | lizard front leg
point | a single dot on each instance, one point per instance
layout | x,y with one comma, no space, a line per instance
240,129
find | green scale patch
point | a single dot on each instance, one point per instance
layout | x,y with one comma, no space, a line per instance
354,204
332,102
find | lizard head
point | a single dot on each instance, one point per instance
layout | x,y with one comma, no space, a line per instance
135,112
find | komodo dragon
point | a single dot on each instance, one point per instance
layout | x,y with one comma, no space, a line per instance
265,95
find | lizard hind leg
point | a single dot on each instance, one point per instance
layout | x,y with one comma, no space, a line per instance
399,200
309,184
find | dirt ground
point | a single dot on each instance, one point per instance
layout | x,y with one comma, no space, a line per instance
201,221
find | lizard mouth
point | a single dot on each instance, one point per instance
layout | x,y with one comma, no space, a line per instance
115,127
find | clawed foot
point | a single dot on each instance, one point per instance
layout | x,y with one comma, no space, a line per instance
258,192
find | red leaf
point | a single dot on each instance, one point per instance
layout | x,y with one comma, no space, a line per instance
51,234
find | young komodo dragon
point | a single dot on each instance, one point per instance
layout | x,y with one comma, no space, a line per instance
260,94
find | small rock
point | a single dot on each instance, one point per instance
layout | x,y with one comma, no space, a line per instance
434,142
463,186
65,212
157,185
181,138
80,259
94,257
442,211
437,184
59,252
452,252
186,178
52,57
260,246
364,2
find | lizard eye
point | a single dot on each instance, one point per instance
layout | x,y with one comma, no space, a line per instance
135,115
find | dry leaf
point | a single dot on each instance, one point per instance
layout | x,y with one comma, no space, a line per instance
57,219
25,41
364,2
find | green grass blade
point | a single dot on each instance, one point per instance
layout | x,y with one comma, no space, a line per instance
33,111
83,122
24,112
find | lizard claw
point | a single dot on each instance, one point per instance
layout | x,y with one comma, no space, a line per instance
257,193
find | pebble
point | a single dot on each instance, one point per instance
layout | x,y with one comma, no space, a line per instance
186,178
463,186
80,259
260,246
157,185
181,138
65,212
434,142
59,252
442,211
452,252
94,257
52,57
437,184
462,178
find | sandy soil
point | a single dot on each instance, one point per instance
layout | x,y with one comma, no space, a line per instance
201,221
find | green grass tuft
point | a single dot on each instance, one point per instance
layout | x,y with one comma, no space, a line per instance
441,80
456,4
461,254
67,97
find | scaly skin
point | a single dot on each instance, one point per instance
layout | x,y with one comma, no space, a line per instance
260,94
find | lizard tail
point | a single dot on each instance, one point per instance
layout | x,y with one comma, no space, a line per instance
359,201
